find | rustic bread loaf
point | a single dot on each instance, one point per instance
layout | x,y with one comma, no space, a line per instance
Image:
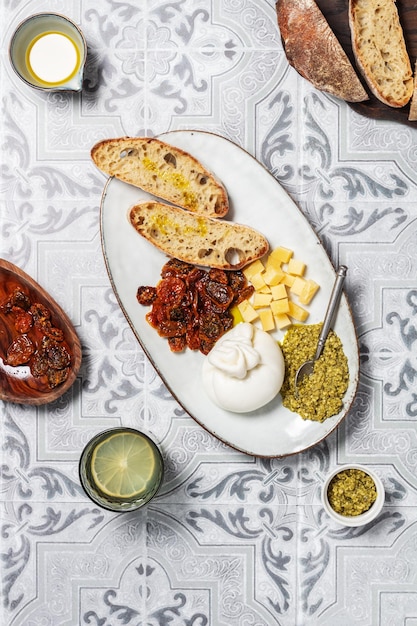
197,239
315,52
380,51
164,171
412,116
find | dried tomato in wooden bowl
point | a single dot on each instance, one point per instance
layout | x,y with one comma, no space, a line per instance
40,353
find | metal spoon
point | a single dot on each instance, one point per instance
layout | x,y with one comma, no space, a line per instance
307,368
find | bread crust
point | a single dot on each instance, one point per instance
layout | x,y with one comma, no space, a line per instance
197,239
412,115
380,50
164,171
315,52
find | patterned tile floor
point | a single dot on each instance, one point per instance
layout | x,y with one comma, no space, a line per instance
230,539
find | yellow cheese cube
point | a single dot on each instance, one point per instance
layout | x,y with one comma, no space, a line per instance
279,291
298,285
265,289
280,306
253,268
273,264
297,268
261,300
273,275
258,281
288,280
297,312
267,320
247,311
283,255
309,291
282,321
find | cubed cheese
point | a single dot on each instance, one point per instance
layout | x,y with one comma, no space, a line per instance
283,255
267,320
297,312
273,275
279,291
261,300
288,280
297,268
265,289
298,285
247,311
309,291
282,321
254,268
258,281
280,306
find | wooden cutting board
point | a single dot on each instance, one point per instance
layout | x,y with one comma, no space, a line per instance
336,13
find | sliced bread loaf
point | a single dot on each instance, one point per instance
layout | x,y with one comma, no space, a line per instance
197,239
315,52
164,171
380,51
412,116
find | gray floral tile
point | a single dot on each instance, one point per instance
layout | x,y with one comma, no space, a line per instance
229,539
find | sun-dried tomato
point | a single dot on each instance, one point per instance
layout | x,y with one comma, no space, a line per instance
57,377
171,290
177,344
177,268
222,295
50,331
40,344
220,276
57,354
146,295
20,351
192,305
23,321
236,280
39,364
244,294
206,345
39,312
17,299
180,314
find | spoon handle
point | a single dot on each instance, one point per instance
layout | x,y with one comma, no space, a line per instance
331,309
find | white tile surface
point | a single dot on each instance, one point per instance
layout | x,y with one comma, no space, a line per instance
230,540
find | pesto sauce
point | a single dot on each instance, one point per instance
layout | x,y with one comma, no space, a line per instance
351,492
320,395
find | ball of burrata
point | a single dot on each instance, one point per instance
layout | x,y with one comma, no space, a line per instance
244,370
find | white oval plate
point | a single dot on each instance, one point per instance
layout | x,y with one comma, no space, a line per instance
258,200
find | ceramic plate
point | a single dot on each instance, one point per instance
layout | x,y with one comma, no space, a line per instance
17,383
258,200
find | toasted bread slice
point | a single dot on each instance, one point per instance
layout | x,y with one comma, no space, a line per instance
380,51
197,239
164,171
314,51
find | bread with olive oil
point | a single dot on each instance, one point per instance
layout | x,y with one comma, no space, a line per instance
380,50
314,51
164,171
197,239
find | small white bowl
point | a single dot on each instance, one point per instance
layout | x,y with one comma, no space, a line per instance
363,518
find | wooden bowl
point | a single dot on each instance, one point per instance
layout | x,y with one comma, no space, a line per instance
17,383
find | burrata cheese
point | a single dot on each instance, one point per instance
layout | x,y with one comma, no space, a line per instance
244,370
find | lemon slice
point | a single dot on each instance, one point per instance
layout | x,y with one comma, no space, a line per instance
122,465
